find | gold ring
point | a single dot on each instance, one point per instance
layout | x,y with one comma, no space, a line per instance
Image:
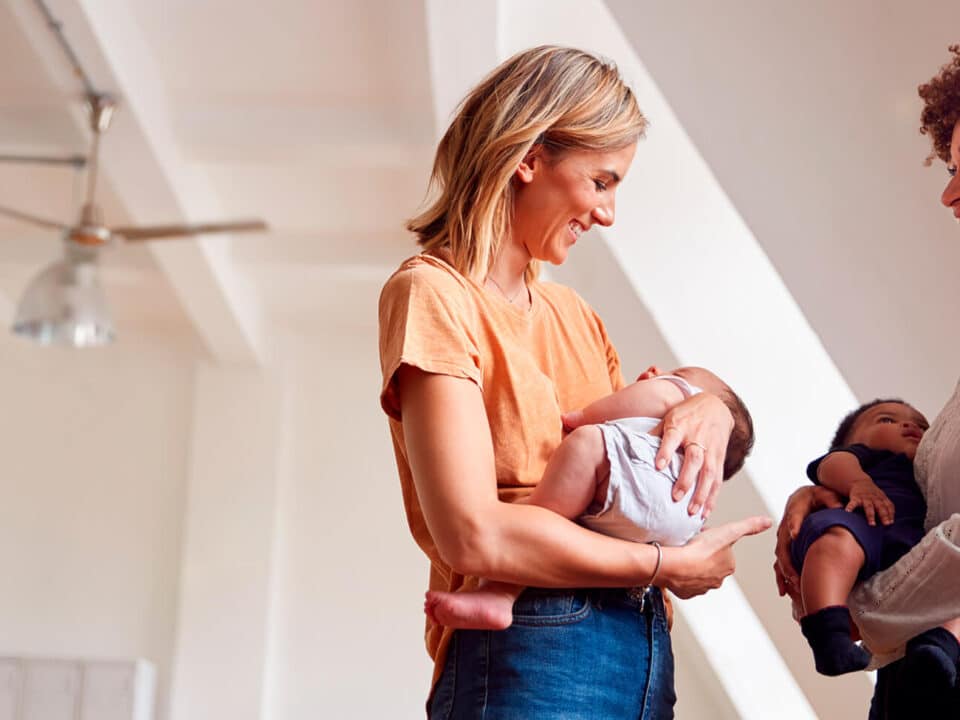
702,447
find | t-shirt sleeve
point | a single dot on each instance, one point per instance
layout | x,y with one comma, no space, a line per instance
426,320
862,453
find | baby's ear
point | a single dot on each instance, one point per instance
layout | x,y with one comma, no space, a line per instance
651,372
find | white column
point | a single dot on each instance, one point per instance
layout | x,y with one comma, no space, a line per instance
219,658
463,40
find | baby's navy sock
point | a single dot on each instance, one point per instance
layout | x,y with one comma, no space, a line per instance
931,659
828,632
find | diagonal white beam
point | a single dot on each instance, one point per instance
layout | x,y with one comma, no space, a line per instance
142,162
703,627
718,302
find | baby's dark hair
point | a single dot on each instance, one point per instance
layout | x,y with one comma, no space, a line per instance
841,437
741,439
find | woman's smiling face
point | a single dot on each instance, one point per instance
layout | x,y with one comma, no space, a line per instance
560,195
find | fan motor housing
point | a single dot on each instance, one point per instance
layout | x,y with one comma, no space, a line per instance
90,235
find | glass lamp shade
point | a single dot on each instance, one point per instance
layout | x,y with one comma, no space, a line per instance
64,305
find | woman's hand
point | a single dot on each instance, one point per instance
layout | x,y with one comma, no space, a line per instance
701,425
705,561
800,504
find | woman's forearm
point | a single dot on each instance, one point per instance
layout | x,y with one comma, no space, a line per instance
531,545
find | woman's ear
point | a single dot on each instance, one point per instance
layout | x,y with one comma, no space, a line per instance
530,163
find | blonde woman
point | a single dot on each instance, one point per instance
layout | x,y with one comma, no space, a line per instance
480,359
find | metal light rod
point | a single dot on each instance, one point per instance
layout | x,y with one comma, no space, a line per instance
57,28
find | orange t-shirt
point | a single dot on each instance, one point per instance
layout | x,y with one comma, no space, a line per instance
530,366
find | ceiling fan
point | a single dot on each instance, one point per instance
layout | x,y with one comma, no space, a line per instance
90,230
64,304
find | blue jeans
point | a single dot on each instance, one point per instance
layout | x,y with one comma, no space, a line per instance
570,654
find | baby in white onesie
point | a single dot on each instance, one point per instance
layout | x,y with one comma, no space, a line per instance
604,474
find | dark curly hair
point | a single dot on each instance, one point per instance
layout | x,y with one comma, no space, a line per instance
941,106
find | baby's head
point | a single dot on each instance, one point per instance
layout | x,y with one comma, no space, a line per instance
741,438
889,424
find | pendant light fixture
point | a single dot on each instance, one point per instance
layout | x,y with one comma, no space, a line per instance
64,304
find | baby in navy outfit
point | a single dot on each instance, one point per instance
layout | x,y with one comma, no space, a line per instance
871,463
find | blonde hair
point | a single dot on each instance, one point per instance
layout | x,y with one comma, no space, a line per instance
555,97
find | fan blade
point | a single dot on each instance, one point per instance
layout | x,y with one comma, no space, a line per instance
154,232
33,219
77,161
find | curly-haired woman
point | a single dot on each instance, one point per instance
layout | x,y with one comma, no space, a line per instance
922,590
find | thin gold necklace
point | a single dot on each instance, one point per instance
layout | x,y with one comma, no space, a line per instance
511,300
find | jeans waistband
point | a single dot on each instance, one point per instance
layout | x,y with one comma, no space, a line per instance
634,596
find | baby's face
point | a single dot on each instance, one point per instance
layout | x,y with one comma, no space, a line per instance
890,426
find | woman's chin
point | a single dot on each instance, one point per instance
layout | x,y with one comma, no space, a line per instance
559,256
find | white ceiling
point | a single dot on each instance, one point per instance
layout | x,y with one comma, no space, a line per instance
327,135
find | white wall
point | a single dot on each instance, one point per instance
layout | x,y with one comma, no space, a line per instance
228,546
349,581
94,451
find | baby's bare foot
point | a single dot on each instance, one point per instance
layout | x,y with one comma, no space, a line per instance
473,610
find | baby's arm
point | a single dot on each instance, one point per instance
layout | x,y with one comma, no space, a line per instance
644,398
841,471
